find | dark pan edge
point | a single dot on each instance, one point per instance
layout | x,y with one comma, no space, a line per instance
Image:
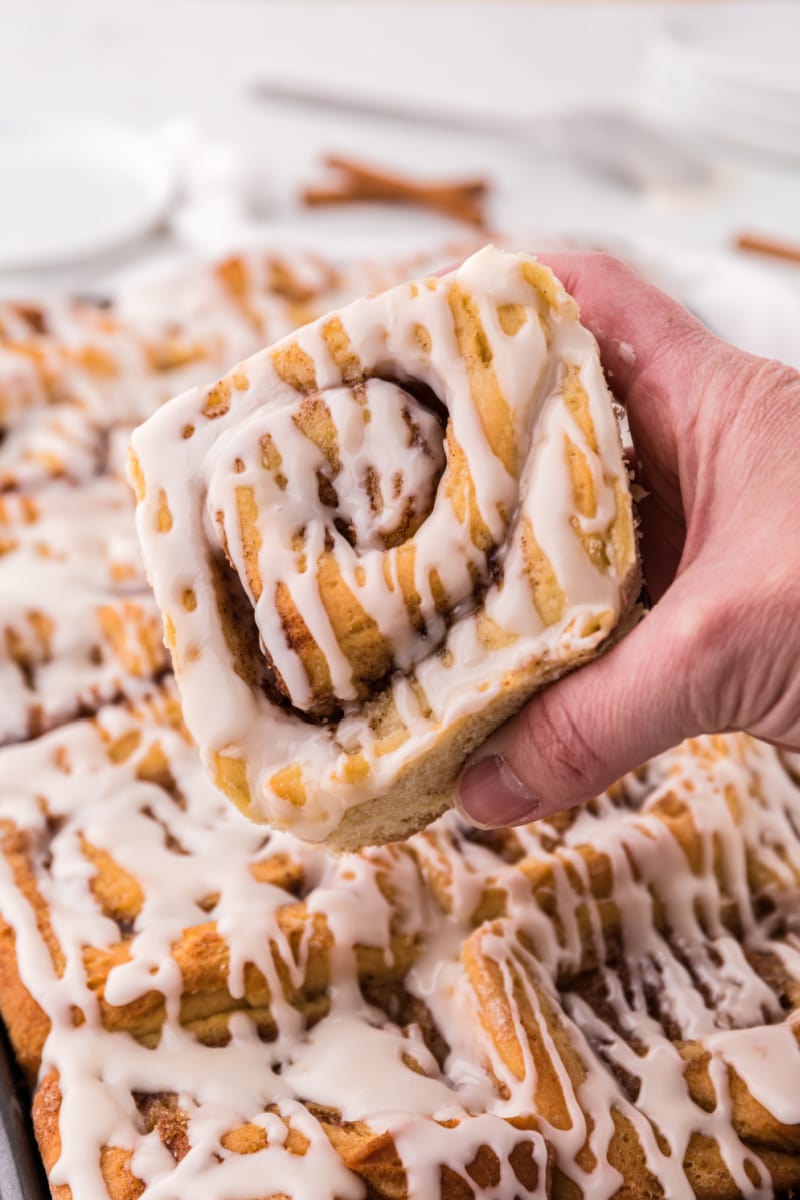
22,1175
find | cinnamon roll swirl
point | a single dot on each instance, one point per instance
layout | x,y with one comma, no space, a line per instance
372,542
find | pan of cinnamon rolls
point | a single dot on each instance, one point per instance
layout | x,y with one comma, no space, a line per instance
368,543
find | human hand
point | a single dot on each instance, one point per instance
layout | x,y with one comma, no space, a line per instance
717,437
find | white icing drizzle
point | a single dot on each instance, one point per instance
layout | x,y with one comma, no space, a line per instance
203,456
659,969
78,624
72,374
657,927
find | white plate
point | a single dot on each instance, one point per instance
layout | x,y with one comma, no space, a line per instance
755,47
734,74
73,188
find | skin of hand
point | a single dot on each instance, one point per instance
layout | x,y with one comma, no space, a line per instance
717,437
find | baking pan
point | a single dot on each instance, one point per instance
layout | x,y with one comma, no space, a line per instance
21,1173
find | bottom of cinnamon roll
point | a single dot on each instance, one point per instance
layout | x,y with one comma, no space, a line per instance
425,790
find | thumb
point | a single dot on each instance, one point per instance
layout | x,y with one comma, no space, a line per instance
582,733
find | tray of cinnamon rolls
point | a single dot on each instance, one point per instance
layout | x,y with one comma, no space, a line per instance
248,949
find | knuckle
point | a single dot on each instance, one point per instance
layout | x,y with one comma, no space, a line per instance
707,655
766,684
558,755
762,393
733,644
609,268
770,376
684,340
696,629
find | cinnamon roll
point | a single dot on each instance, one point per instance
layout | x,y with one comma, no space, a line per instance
373,541
602,1008
73,373
78,624
602,1005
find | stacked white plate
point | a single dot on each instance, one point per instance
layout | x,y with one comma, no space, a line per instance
734,72
74,187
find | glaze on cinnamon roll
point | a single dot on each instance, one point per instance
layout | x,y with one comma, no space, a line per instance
600,1009
374,540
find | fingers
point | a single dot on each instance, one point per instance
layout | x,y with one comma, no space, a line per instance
669,371
582,733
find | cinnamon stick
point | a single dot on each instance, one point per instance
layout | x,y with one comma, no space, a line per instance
360,182
382,179
756,243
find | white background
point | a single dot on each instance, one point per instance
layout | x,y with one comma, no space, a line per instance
147,62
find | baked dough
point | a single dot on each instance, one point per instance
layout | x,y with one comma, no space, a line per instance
373,541
597,1006
601,1005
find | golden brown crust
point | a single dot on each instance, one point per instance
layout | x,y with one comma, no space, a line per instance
519,1016
371,1156
552,985
26,1022
115,1167
322,637
201,954
424,791
506,1016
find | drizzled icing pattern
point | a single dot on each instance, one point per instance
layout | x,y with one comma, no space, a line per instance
74,374
321,547
605,1000
78,624
602,1002
70,374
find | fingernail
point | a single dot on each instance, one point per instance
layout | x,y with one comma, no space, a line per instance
490,795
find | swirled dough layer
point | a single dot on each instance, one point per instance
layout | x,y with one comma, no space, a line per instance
374,540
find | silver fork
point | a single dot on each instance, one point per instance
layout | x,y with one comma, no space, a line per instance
627,149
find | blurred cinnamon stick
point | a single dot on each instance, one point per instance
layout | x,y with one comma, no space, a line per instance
756,243
356,181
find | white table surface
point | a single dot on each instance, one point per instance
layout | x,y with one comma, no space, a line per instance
148,61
